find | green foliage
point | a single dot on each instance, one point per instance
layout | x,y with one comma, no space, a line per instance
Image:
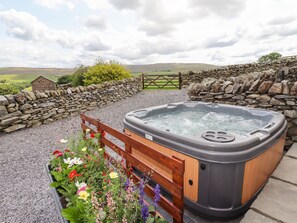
105,71
65,79
269,57
96,189
78,76
8,89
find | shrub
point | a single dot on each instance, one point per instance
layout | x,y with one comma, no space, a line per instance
105,71
65,79
8,89
96,189
269,57
78,76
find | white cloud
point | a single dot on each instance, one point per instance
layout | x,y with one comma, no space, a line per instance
55,4
24,26
125,4
208,31
96,22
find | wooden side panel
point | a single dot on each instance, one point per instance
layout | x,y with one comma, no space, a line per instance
191,165
259,169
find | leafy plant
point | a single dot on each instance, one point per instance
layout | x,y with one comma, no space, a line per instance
96,189
78,76
269,57
105,71
8,89
65,79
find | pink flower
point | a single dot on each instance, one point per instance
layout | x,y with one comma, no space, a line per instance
57,153
81,189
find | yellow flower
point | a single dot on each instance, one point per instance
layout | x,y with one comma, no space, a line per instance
87,130
113,175
99,149
83,195
84,149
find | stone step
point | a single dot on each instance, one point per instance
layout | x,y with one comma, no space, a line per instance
278,200
253,217
292,151
287,170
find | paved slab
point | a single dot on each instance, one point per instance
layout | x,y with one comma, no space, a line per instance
292,151
287,170
254,217
278,200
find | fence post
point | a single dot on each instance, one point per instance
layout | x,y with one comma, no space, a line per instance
179,180
179,80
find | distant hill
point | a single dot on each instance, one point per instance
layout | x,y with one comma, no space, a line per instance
169,67
37,71
148,68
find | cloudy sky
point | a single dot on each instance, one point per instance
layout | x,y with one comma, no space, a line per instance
66,33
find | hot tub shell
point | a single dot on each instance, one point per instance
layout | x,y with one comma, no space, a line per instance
221,178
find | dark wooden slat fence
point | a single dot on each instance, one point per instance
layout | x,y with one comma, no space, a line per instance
174,186
162,81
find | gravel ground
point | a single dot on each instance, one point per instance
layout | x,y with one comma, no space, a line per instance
25,194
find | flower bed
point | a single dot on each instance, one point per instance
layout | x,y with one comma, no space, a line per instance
98,190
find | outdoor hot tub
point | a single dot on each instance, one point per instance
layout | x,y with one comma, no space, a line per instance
229,151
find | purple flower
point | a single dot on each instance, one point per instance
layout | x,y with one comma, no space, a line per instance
157,195
141,192
127,184
144,212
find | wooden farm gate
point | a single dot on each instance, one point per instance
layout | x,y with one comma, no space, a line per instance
164,81
174,186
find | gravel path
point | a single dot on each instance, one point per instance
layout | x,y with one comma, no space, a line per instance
25,195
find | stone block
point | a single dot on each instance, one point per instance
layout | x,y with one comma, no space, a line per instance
20,98
274,101
264,87
264,98
285,85
9,121
25,107
276,88
14,128
10,98
3,111
293,90
278,200
290,113
3,100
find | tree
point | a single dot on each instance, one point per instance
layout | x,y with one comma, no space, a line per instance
65,79
269,57
78,76
105,71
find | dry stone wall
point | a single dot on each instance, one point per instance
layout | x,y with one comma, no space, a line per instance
271,90
28,109
236,70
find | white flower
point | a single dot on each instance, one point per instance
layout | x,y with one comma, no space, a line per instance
63,141
77,161
68,160
80,185
87,130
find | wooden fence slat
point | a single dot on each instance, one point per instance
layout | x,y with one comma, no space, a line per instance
158,156
173,186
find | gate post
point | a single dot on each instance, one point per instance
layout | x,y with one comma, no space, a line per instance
142,79
179,80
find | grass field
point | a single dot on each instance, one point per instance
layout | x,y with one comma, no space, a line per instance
22,76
